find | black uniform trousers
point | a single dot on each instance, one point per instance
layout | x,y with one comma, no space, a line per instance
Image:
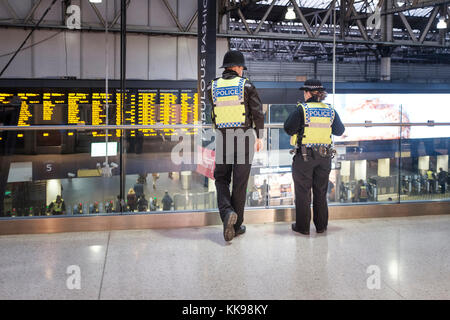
235,163
314,174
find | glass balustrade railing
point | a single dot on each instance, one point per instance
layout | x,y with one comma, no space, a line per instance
167,166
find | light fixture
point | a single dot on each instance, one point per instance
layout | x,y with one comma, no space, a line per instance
95,1
442,24
290,14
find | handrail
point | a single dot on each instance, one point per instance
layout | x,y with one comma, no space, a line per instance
197,126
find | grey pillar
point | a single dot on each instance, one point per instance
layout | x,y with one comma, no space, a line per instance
385,69
387,22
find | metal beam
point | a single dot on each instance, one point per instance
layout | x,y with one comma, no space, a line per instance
417,5
430,22
174,16
408,27
302,19
327,15
265,16
235,34
31,12
349,12
10,9
98,14
360,25
244,21
191,22
118,16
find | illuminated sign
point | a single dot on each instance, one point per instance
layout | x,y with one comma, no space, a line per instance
98,149
86,107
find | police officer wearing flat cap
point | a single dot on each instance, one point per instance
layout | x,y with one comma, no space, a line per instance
239,122
311,126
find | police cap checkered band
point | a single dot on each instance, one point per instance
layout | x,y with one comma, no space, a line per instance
312,85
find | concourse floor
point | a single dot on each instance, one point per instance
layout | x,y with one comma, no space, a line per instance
392,258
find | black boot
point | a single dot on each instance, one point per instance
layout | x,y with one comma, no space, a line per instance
239,231
228,226
322,230
294,228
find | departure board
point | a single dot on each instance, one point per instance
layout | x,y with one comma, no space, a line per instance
90,106
28,101
147,108
53,105
189,113
4,97
168,107
75,103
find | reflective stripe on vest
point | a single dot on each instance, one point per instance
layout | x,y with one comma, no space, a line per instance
57,207
228,102
318,118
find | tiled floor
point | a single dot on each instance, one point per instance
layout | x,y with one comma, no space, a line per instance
268,262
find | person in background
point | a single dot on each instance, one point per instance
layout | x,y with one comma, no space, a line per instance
142,203
119,205
167,201
109,206
138,188
331,191
361,193
78,209
431,177
154,204
265,193
94,208
57,207
155,177
442,179
131,200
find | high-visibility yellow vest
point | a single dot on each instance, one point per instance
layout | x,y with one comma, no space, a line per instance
318,118
430,175
228,102
57,207
363,192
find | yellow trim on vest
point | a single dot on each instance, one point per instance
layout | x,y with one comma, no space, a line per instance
228,102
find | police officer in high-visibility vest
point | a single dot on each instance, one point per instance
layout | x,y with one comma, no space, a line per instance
57,207
431,177
238,118
311,126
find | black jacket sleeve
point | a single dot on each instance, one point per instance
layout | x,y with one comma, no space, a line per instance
254,108
294,123
209,102
337,128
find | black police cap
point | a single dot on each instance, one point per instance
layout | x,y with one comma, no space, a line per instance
233,58
312,85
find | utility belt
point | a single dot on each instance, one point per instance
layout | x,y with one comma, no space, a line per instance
316,152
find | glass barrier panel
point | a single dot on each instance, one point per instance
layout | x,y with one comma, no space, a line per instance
365,169
41,166
171,170
164,171
424,164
